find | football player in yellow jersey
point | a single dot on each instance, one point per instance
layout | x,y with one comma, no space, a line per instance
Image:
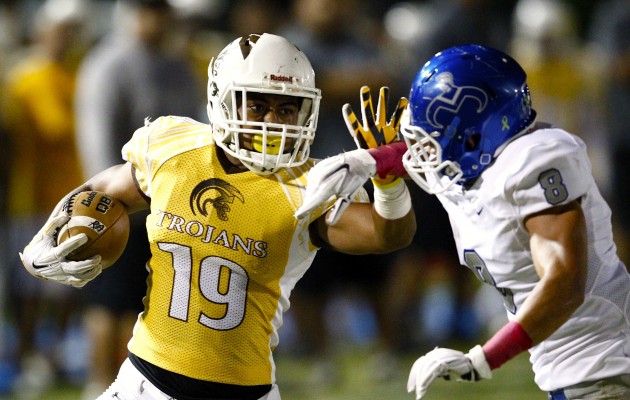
226,248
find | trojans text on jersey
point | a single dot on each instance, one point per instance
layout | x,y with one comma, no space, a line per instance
209,234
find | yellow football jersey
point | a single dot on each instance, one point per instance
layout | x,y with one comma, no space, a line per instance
226,253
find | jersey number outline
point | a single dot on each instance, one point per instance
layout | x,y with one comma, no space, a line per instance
555,190
212,277
478,266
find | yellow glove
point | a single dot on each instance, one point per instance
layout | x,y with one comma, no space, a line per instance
374,130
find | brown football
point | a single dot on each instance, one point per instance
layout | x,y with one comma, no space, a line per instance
105,222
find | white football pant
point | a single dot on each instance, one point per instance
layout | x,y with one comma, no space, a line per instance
130,384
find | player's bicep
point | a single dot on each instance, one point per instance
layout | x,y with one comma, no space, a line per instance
558,241
118,181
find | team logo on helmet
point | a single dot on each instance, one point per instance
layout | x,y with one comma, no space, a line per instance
453,98
215,193
246,44
214,90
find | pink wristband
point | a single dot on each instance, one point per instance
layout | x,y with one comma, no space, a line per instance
507,343
389,159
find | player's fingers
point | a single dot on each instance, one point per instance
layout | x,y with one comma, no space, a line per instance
350,118
390,133
55,223
70,245
367,107
397,116
363,139
83,269
414,383
337,210
75,282
381,112
78,280
311,203
411,381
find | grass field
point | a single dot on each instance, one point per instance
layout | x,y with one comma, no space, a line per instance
513,381
354,380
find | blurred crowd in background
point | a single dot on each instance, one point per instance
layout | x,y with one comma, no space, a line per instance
77,77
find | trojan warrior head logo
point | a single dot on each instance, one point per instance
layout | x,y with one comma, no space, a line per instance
453,98
215,193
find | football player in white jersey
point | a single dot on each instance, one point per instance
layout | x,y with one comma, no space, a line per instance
226,247
527,218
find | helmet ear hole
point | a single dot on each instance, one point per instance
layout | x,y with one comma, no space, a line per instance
472,141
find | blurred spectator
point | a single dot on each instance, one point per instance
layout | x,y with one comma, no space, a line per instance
344,55
9,43
344,46
456,22
256,16
610,35
561,73
11,34
206,25
200,35
546,43
42,165
132,74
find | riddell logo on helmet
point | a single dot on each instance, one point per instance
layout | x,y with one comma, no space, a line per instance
280,78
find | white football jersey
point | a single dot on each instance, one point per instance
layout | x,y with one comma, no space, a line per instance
546,168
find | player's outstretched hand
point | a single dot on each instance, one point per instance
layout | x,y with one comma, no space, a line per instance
374,130
43,259
341,176
448,364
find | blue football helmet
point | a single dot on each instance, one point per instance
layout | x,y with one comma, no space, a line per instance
465,105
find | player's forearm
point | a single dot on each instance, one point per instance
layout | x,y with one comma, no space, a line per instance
546,309
118,181
552,302
361,230
393,215
550,305
394,234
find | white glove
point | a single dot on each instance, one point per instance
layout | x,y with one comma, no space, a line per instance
449,364
44,259
341,175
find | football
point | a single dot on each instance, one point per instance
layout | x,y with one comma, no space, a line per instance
105,222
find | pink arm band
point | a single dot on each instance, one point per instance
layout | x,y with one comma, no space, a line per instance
507,343
389,159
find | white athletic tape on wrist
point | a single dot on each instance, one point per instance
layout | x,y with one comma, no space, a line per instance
479,362
392,201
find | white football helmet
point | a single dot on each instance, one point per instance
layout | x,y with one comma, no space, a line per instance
266,64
